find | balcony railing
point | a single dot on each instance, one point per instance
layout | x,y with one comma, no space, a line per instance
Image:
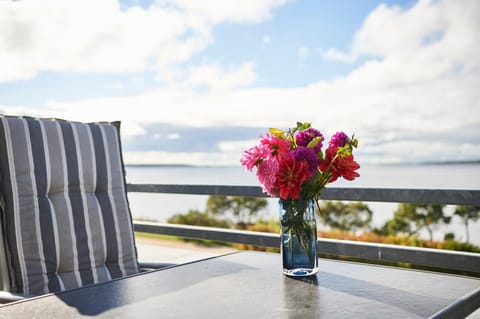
442,259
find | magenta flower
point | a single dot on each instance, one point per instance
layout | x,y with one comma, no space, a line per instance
338,139
304,137
308,155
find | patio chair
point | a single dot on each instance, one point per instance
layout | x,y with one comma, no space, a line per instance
64,211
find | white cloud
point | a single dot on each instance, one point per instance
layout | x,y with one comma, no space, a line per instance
229,154
420,150
236,147
22,111
64,42
55,35
216,11
267,39
420,89
392,31
116,85
169,136
181,158
216,78
435,34
334,54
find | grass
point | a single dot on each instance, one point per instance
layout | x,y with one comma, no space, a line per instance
202,242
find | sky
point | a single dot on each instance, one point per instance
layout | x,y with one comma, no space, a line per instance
197,82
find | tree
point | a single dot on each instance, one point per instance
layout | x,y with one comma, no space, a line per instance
411,218
449,236
243,208
467,213
350,217
197,218
400,223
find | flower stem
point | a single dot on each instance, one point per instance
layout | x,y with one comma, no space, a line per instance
290,244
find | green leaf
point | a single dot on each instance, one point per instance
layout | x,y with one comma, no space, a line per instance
354,141
320,155
302,126
314,142
344,151
278,133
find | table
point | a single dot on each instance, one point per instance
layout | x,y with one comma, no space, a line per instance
251,285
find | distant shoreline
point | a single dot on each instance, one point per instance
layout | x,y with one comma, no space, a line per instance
473,162
451,163
161,165
439,163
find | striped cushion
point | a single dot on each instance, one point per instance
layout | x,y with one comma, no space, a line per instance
66,218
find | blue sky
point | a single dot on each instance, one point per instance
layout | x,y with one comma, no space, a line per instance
196,82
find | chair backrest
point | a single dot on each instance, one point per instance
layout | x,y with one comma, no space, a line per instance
64,209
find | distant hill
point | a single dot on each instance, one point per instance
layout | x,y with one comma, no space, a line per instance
451,162
159,165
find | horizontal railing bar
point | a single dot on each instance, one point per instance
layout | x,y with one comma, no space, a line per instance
430,257
210,233
454,260
229,190
394,195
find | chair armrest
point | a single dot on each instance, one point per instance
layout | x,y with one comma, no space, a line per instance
146,266
6,297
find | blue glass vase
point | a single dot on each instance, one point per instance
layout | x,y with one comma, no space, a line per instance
298,232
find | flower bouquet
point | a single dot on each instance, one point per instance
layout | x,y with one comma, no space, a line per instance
292,166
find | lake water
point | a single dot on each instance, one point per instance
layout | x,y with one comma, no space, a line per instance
160,207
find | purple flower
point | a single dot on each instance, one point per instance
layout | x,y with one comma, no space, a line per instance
304,137
302,153
339,139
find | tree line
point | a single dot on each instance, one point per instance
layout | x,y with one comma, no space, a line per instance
408,219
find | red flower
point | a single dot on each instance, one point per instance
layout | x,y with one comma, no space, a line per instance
291,175
342,166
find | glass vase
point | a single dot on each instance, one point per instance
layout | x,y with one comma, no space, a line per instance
298,232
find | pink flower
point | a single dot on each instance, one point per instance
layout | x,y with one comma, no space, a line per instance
270,147
277,146
254,156
266,174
